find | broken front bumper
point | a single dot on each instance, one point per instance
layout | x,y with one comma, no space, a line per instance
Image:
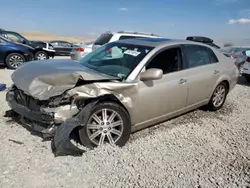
29,108
44,120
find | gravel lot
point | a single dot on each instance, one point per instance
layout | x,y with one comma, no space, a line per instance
199,149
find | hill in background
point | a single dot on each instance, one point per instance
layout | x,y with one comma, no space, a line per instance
37,35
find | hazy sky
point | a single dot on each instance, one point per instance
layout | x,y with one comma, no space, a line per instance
220,19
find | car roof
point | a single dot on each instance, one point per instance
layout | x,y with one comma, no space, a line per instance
157,42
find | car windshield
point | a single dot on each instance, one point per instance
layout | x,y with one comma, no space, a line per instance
115,59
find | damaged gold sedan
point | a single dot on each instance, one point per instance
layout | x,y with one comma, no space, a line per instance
119,88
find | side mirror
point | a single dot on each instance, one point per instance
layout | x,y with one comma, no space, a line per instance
22,41
151,74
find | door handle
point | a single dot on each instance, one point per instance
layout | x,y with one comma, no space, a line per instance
216,72
182,81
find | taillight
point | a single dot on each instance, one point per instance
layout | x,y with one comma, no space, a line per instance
80,49
248,59
234,57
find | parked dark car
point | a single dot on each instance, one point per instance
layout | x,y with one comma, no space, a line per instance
63,48
205,40
14,54
43,50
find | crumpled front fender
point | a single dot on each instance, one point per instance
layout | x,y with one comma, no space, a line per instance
61,144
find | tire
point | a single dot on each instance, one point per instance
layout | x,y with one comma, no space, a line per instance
85,132
211,105
14,60
41,55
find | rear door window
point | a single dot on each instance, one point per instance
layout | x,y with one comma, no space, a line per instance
103,39
199,56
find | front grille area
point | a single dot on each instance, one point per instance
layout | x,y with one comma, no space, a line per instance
26,100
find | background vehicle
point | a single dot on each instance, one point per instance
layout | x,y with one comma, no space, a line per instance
77,53
63,48
120,35
201,39
238,53
246,66
13,54
43,50
108,94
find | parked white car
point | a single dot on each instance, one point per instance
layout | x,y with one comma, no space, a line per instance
246,67
109,36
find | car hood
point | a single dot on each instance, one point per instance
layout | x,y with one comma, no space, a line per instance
48,78
37,42
24,45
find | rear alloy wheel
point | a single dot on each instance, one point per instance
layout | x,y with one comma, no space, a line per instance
218,98
41,55
14,60
108,123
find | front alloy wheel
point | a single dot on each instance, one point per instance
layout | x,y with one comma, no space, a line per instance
105,125
108,123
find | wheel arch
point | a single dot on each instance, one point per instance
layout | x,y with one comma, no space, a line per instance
227,83
109,98
224,78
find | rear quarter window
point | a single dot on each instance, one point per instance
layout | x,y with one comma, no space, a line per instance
103,39
212,56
